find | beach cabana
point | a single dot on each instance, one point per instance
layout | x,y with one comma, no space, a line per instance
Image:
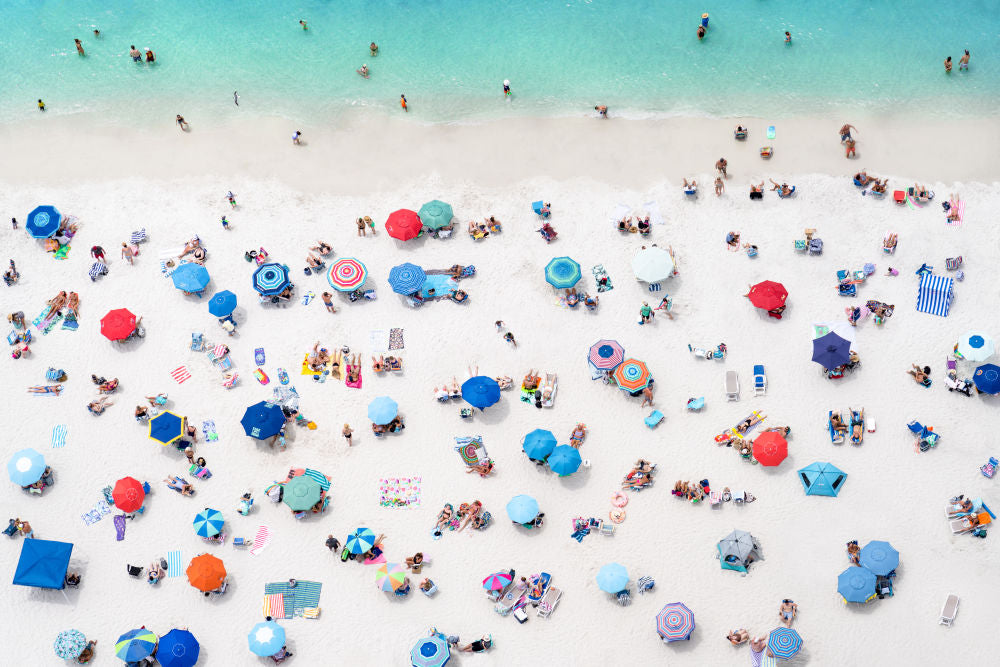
770,448
612,578
481,391
784,643
606,355
768,295
263,420
347,274
166,428
266,638
562,272
406,278
675,622
436,214
70,644
118,324
430,652
43,222
43,563
301,493
404,224
222,303
831,350
390,576
135,645
880,557
178,648
934,294
26,467
522,509
382,410
987,379
632,375
191,277
652,265
564,460
737,550
856,584
360,541
822,479
538,444
975,346
271,279
208,522
206,572
128,494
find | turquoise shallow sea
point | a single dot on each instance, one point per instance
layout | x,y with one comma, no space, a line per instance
450,57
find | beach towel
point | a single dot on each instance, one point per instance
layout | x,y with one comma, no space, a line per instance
180,374
396,338
70,322
599,273
51,323
961,216
61,252
119,526
42,317
471,449
769,661
374,561
91,517
321,479
620,211
378,339
58,436
310,612
306,595
274,605
655,216
308,371
307,297
756,658
138,236
103,508
260,540
400,491
208,430
357,383
174,567
97,269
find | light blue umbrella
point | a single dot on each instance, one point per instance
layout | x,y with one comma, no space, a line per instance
26,467
191,277
539,444
382,410
822,479
879,557
522,509
612,578
43,222
223,303
266,638
856,584
406,278
562,272
208,522
436,214
565,460
430,651
360,541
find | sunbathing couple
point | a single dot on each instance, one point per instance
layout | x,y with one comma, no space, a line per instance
105,386
688,491
921,375
474,514
531,380
640,476
641,225
389,363
194,248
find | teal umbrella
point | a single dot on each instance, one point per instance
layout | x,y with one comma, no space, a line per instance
208,522
562,272
360,541
301,493
436,214
70,644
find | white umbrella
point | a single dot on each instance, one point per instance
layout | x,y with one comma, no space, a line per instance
975,346
652,265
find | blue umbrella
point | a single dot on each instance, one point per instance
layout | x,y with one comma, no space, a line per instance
208,522
382,410
612,578
430,652
784,643
135,645
856,584
406,278
879,557
166,427
43,222
522,509
360,541
562,272
266,638
987,379
831,350
177,648
565,460
26,467
271,279
191,277
223,303
539,444
262,420
481,391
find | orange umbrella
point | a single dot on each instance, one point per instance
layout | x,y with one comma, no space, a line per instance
206,572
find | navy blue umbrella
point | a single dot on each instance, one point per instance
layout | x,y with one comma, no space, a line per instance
481,391
262,420
406,278
987,378
831,350
43,222
271,279
223,303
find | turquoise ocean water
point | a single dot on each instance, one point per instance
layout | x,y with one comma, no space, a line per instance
450,57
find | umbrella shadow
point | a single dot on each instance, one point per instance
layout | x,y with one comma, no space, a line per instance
574,481
688,645
494,414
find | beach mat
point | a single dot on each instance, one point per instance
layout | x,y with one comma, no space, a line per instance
287,595
70,323
306,596
655,216
378,340
180,374
400,491
208,430
396,338
274,605
58,436
174,567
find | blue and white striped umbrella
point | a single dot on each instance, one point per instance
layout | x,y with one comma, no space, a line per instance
271,279
430,652
208,522
562,272
784,643
406,278
360,541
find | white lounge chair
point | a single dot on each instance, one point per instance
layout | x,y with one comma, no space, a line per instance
949,610
549,387
548,602
732,386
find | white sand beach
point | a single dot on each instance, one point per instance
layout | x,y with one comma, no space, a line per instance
174,185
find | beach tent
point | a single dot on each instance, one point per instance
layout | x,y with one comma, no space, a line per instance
880,557
178,648
382,410
481,391
43,222
987,379
347,274
118,324
538,444
430,651
770,448
166,427
26,467
562,272
263,420
564,460
271,279
404,224
652,265
856,584
206,572
606,355
135,645
612,578
191,277
43,563
675,622
406,278
128,494
934,294
768,295
784,643
975,346
266,638
436,214
222,303
822,479
737,550
831,350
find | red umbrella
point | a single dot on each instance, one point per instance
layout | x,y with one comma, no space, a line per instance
770,448
404,224
768,295
118,324
128,494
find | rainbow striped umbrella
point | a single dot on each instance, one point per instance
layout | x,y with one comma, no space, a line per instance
497,581
208,522
135,645
347,275
784,643
69,644
390,576
675,622
606,355
360,541
632,375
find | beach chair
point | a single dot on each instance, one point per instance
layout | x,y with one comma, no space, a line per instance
801,245
732,386
645,584
394,364
816,246
540,208
952,263
989,468
766,152
240,542
624,599
550,385
197,342
759,380
547,232
696,404
654,418
899,196
539,586
949,610
607,528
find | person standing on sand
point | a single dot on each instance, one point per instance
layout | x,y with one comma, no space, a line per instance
720,187
402,103
79,47
947,64
181,123
845,132
346,432
332,543
850,148
963,63
721,165
295,137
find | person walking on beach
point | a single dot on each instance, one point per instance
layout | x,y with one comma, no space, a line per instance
332,543
295,138
13,222
79,47
720,187
845,132
328,302
402,103
602,110
721,165
232,198
41,105
135,54
963,62
509,337
346,432
225,223
181,123
850,148
97,252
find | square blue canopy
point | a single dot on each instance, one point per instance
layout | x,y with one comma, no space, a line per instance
43,563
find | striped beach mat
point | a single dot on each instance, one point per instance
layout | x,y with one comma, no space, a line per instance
58,436
180,374
174,567
274,605
281,590
306,595
319,477
260,540
138,236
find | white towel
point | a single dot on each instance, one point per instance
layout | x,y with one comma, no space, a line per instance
379,341
654,213
621,211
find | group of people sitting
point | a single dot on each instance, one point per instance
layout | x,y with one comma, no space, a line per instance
853,361
394,426
387,363
480,230
573,299
44,481
640,476
642,224
863,180
468,514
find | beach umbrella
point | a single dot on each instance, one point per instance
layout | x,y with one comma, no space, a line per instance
562,272
26,467
736,549
538,444
128,494
301,493
266,638
222,303
822,479
118,324
652,265
880,557
166,427
481,391
565,460
841,328
43,222
390,576
768,295
498,581
404,224
831,350
436,214
208,522
632,375
43,564
770,448
784,643
430,651
856,584
522,509
69,644
612,578
347,275
987,379
271,279
191,277
178,648
206,572
606,355
382,410
135,645
406,278
262,420
975,346
675,622
360,541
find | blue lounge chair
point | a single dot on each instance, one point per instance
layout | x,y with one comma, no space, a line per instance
695,404
537,207
759,380
654,418
539,587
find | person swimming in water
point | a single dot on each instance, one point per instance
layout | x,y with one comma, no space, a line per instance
363,71
373,49
305,26
79,47
963,62
947,64
150,56
788,37
701,32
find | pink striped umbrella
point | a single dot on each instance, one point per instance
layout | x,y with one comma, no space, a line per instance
606,355
347,275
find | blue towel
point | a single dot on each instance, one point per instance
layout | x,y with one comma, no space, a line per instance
59,436
174,567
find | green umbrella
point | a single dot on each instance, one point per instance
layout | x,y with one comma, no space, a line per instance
436,214
70,644
301,493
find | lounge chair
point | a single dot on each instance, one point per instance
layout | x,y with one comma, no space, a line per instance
857,419
732,386
949,610
242,542
548,602
645,584
654,418
507,602
759,380
539,586
197,342
836,437
696,404
547,232
607,528
962,525
952,263
550,385
801,245
624,598
816,246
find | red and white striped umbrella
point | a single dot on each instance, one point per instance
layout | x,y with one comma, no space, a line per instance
347,275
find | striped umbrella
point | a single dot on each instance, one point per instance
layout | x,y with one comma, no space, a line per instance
69,644
406,278
347,275
497,581
784,643
266,638
208,522
135,645
562,272
360,541
43,222
632,375
301,493
206,572
675,622
271,279
128,494
404,224
606,355
430,652
436,214
390,576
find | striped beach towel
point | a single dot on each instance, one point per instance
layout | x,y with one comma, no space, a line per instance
306,595
180,374
260,540
58,436
174,567
310,612
281,589
322,479
756,658
274,605
97,269
138,236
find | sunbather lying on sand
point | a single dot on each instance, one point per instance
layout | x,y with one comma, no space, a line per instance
838,423
444,517
921,375
953,203
48,389
323,248
737,637
531,380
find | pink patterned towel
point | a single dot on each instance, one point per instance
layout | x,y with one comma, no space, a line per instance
261,540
